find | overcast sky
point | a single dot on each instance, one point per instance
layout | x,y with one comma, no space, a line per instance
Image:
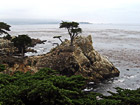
95,11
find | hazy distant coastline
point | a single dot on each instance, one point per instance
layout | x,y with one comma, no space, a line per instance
29,21
54,21
85,23
34,21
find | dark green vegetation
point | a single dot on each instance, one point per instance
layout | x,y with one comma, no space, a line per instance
122,97
48,87
8,37
73,29
22,42
59,37
2,67
4,27
45,87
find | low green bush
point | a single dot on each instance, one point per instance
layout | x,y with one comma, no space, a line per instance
124,97
2,67
8,37
48,87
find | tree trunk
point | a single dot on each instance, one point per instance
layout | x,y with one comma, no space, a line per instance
72,39
22,52
60,40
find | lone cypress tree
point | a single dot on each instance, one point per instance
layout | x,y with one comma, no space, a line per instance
4,27
22,42
73,29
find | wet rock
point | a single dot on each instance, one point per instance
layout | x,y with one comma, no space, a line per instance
127,69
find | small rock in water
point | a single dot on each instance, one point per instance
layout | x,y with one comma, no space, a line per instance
127,69
49,42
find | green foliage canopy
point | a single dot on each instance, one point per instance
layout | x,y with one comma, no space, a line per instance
22,42
73,29
123,97
8,37
48,87
4,27
2,67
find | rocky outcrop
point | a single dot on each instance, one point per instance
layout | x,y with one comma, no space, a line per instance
7,47
9,58
37,41
81,59
5,43
14,63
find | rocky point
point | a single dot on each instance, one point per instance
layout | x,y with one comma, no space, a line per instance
80,59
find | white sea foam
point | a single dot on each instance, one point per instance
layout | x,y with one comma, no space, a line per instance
88,89
132,76
119,80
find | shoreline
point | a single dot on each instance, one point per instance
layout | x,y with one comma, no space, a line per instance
119,43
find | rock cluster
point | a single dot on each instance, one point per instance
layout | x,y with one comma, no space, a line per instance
81,59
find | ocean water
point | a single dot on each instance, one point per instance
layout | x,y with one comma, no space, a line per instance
119,42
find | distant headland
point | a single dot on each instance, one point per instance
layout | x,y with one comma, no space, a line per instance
85,23
35,21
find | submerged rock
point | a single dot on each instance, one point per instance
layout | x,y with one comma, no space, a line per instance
81,59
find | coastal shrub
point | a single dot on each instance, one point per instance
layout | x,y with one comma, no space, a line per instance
2,67
109,102
48,87
4,27
22,42
8,37
125,96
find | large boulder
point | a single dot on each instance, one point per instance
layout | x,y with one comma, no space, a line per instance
81,59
